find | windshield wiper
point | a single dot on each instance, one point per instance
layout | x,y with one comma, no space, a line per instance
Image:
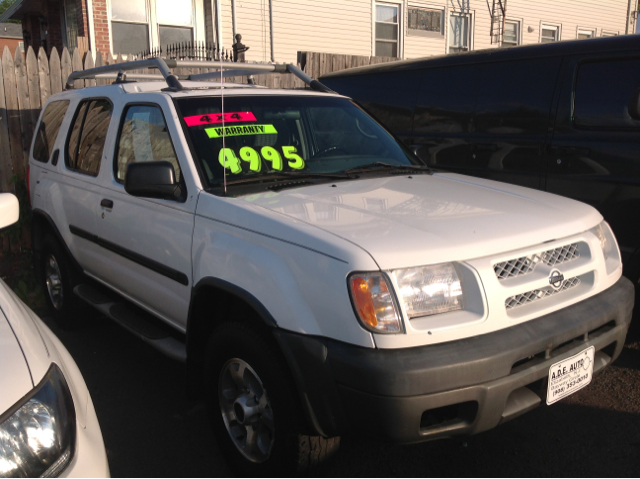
381,165
284,175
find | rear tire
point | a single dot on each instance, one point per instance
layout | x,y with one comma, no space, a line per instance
260,398
58,278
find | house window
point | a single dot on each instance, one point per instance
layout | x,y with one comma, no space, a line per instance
71,24
549,34
423,20
584,34
21,45
175,21
459,32
609,34
387,30
129,26
135,28
511,36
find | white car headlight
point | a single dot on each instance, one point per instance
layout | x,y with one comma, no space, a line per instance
427,290
607,240
37,436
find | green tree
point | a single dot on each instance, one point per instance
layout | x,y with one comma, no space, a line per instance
4,6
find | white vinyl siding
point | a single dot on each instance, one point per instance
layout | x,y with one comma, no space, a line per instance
348,26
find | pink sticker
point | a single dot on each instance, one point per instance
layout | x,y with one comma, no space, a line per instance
198,120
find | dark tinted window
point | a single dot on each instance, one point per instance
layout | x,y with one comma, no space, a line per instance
144,137
48,130
602,93
446,100
389,97
515,97
88,134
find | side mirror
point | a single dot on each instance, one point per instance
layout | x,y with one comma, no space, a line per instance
152,179
9,209
634,105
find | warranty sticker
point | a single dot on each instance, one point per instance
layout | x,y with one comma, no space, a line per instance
217,132
227,117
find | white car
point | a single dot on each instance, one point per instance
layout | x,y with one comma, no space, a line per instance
317,278
48,426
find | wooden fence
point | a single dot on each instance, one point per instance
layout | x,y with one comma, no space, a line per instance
27,82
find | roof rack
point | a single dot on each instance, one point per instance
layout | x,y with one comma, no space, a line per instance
173,81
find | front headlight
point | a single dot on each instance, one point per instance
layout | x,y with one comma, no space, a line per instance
609,246
37,436
427,290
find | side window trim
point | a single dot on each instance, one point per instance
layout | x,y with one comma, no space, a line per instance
66,161
116,146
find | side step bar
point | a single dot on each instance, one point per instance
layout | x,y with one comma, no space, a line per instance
134,323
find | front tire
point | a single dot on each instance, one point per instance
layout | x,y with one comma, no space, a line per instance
58,280
254,408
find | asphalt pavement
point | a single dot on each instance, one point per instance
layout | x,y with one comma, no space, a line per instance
151,429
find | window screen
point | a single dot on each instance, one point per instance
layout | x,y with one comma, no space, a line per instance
88,134
603,90
144,137
48,130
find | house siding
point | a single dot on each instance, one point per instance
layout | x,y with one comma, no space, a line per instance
346,26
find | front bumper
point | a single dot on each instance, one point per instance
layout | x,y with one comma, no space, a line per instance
459,387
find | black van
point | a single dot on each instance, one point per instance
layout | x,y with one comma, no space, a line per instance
559,117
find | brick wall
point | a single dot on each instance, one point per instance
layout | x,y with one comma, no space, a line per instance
12,43
101,25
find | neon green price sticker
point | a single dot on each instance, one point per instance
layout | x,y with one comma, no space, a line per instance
248,156
218,131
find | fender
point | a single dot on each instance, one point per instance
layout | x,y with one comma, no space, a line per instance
56,233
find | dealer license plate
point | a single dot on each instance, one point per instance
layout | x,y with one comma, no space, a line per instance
570,375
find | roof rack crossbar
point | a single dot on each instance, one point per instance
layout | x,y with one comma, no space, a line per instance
229,69
158,63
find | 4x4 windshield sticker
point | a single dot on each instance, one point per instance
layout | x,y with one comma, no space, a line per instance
241,130
248,156
226,117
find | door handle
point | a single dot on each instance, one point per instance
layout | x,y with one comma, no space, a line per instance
106,203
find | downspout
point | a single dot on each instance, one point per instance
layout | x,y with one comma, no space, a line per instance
273,57
92,29
219,19
630,15
233,19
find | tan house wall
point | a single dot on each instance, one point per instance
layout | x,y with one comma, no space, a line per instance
346,26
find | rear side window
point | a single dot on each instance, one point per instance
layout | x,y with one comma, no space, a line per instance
144,137
48,130
602,94
88,135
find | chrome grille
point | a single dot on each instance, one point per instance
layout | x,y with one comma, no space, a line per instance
536,294
526,264
560,255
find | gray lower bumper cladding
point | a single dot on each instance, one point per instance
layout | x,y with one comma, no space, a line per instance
460,387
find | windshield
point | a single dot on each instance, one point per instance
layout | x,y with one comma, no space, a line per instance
266,135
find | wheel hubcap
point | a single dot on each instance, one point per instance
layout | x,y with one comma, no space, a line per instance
54,283
246,410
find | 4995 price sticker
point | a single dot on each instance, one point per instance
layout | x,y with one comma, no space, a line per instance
570,375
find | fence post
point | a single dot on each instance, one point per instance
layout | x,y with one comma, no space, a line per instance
65,66
13,111
44,75
5,156
24,105
88,63
55,72
76,66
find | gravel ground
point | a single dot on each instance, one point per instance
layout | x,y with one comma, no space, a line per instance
151,429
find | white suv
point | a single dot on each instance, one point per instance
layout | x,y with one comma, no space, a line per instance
48,425
315,276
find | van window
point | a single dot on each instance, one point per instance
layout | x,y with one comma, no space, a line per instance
446,100
48,130
515,97
602,94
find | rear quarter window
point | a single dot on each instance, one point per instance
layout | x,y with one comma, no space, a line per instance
48,130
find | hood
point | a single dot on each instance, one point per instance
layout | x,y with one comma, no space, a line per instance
15,379
424,219
24,358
